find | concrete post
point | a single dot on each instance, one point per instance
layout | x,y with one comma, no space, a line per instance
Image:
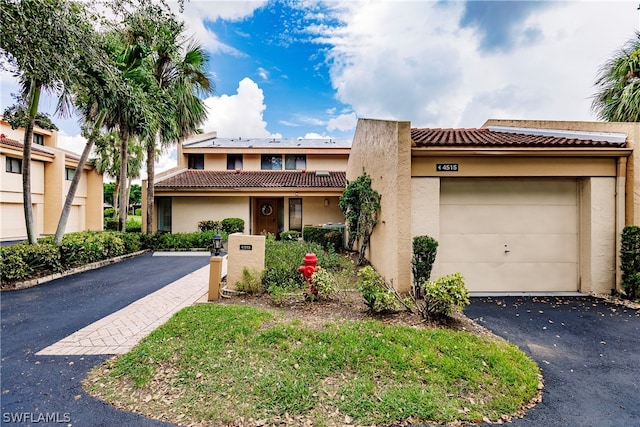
215,275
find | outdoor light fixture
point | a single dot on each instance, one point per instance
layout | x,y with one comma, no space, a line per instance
217,244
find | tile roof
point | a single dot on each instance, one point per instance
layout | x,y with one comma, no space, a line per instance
17,144
192,178
211,140
511,138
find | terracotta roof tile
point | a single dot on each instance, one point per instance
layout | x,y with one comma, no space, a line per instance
252,179
438,137
17,144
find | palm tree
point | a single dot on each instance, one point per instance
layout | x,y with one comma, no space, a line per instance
180,81
43,58
618,82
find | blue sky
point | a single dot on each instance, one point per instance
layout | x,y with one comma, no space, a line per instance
311,68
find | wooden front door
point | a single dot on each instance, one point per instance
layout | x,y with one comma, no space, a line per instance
266,216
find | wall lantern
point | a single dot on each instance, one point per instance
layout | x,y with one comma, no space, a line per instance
217,244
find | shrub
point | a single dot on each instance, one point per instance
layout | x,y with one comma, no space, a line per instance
325,282
425,249
323,236
209,225
138,212
630,261
23,261
374,291
251,282
290,235
233,225
445,295
109,213
110,224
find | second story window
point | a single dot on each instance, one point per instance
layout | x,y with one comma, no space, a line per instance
295,161
14,165
38,139
69,173
196,161
271,162
234,161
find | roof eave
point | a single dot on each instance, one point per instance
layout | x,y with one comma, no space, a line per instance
519,152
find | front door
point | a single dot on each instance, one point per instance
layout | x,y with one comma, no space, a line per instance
266,216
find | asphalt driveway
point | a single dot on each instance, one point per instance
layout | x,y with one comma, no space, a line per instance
589,352
46,390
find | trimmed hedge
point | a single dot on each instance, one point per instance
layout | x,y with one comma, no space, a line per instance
323,236
233,225
630,261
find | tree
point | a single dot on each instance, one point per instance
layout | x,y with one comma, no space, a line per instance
360,204
42,59
618,82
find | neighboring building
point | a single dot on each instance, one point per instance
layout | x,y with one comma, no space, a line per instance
516,206
52,169
274,185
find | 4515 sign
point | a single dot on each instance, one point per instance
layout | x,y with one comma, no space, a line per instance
447,167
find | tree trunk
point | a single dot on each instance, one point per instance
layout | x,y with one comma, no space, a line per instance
35,88
123,202
116,198
151,166
66,209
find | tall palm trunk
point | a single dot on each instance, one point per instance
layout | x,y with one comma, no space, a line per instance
151,166
35,89
116,195
123,202
66,209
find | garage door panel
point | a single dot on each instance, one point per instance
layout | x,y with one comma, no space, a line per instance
486,219
536,218
522,277
490,191
522,248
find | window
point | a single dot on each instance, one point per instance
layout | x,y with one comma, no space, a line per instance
295,214
69,173
271,162
38,139
196,161
14,165
234,161
164,214
295,161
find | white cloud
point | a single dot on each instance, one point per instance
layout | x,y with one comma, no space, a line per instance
412,61
75,143
264,74
343,122
239,115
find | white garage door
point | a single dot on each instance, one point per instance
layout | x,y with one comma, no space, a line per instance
518,235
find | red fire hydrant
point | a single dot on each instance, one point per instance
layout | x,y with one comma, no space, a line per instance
310,262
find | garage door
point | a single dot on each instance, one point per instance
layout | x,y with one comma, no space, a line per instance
510,235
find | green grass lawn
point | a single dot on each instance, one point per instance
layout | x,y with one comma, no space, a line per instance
224,364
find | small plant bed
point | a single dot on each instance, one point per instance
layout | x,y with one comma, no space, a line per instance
245,362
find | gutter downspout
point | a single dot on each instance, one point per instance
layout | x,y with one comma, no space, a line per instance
621,178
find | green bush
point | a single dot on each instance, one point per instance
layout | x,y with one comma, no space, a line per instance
138,212
251,282
110,224
325,237
425,249
374,291
445,295
209,225
23,261
109,213
630,261
233,225
326,283
282,259
290,235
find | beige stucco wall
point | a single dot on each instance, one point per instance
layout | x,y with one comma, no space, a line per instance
382,149
425,210
632,130
187,211
314,212
327,162
239,259
597,235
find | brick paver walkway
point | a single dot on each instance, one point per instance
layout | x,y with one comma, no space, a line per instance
121,331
